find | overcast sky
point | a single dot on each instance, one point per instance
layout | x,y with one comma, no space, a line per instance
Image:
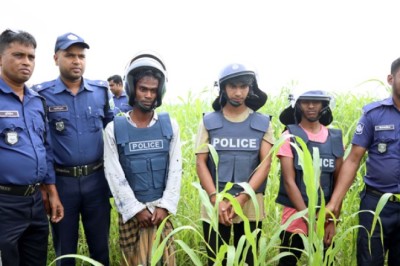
330,45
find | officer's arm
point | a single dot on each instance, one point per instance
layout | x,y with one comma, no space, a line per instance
204,174
289,175
345,178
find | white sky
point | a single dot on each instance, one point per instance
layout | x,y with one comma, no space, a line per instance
330,45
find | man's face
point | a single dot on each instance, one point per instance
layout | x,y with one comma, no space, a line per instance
72,62
115,88
17,62
310,109
237,92
394,80
146,91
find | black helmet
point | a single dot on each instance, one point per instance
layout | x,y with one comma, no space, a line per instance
292,114
139,64
240,73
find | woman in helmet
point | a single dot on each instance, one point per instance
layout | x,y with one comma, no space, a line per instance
306,118
242,138
143,164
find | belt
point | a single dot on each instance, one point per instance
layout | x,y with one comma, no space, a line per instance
77,171
378,193
17,190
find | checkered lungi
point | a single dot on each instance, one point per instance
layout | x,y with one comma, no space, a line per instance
136,243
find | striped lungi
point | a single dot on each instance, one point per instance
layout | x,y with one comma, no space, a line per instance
136,243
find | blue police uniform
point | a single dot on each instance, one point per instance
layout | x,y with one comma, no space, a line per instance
26,161
76,125
121,104
329,151
378,132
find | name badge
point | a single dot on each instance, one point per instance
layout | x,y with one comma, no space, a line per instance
58,108
5,113
384,127
11,137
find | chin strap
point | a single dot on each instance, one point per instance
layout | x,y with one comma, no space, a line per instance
234,103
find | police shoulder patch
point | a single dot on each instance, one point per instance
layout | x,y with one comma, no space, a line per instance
359,129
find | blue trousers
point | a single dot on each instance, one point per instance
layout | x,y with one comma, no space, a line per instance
85,198
24,230
390,218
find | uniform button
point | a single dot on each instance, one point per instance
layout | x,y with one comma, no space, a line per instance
80,133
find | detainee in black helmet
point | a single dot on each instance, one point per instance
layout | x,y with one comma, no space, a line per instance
293,113
239,74
142,65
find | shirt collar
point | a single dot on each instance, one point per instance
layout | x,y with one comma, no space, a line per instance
60,86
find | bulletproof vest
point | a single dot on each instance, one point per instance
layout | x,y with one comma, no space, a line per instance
329,151
238,146
144,155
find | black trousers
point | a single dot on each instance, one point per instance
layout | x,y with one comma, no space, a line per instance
24,230
288,242
85,198
225,235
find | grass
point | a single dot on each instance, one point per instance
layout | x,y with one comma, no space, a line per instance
188,235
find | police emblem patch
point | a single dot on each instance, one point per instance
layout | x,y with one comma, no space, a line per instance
11,137
359,128
382,147
60,126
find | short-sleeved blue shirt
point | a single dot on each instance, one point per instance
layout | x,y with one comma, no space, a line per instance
26,157
76,122
378,132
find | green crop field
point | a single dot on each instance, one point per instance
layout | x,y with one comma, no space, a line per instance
190,247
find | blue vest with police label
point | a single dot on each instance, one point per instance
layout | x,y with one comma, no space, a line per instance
238,147
329,151
144,155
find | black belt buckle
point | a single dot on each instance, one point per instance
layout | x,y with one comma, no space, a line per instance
81,170
31,189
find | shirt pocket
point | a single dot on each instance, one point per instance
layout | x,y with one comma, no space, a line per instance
95,118
59,122
8,128
384,141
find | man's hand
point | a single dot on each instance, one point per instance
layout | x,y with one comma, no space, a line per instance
57,209
225,213
330,232
158,216
144,218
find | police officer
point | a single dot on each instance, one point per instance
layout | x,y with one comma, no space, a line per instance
26,158
120,99
307,118
78,110
242,138
143,164
378,133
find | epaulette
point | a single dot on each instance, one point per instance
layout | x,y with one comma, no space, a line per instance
372,106
98,83
43,86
